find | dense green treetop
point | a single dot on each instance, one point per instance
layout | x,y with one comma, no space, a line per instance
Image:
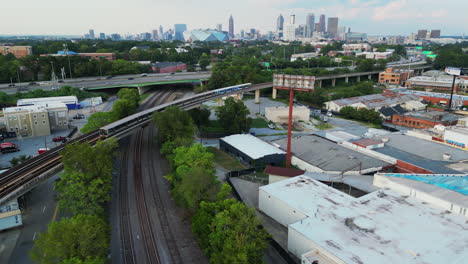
233,116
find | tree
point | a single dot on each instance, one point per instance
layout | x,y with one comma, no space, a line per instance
229,232
123,108
204,61
130,95
365,65
175,128
86,183
186,158
200,116
97,120
233,116
195,185
87,261
83,237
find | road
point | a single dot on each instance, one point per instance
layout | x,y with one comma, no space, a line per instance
102,81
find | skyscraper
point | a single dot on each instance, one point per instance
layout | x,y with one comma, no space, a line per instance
435,33
292,19
102,36
155,34
179,31
91,33
231,27
322,24
280,23
422,34
161,32
310,23
219,27
332,28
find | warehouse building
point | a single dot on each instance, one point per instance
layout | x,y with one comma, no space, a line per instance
281,114
436,98
400,223
424,120
457,136
373,101
441,83
316,154
252,151
70,101
168,67
10,215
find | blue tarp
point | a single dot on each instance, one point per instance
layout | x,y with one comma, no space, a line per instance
61,52
447,181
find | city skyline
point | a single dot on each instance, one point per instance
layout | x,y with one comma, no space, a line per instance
375,17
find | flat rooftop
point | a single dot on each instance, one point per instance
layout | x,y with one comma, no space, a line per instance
380,227
327,155
252,146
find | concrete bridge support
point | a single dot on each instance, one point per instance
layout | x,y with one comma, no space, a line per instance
333,82
239,96
257,96
142,90
358,78
319,84
273,94
346,79
369,77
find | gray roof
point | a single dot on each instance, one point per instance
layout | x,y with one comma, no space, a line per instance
327,155
251,146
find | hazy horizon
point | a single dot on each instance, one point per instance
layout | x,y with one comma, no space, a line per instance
375,17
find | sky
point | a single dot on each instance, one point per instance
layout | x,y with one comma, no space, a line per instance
375,17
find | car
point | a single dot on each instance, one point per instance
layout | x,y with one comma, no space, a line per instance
59,139
329,114
11,85
43,83
79,116
168,77
144,75
32,83
60,81
130,78
109,77
172,73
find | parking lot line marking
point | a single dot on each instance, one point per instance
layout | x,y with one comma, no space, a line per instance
34,236
43,210
55,213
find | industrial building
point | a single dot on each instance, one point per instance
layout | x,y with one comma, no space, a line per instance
357,47
424,119
276,174
252,151
457,136
406,220
36,120
168,66
70,101
89,55
18,51
435,98
313,153
439,83
373,101
10,215
281,114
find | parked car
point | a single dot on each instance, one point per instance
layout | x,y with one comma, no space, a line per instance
59,139
42,150
329,114
11,85
79,116
32,83
8,147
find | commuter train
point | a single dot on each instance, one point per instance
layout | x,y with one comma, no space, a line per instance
142,118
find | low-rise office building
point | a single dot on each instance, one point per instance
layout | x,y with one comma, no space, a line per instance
70,101
36,120
395,76
18,51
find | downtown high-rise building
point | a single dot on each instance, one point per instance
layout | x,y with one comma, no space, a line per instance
219,27
91,34
179,31
435,33
289,32
280,23
155,35
231,27
310,25
161,32
422,33
322,24
332,27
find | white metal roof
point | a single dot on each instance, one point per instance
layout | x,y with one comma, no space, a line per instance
380,227
62,99
28,108
252,146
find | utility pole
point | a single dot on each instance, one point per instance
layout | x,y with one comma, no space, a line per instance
455,72
68,57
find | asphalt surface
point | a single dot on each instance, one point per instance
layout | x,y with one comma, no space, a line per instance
102,81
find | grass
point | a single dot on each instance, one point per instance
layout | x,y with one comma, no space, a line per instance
281,100
225,160
259,123
214,127
370,125
266,135
323,126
